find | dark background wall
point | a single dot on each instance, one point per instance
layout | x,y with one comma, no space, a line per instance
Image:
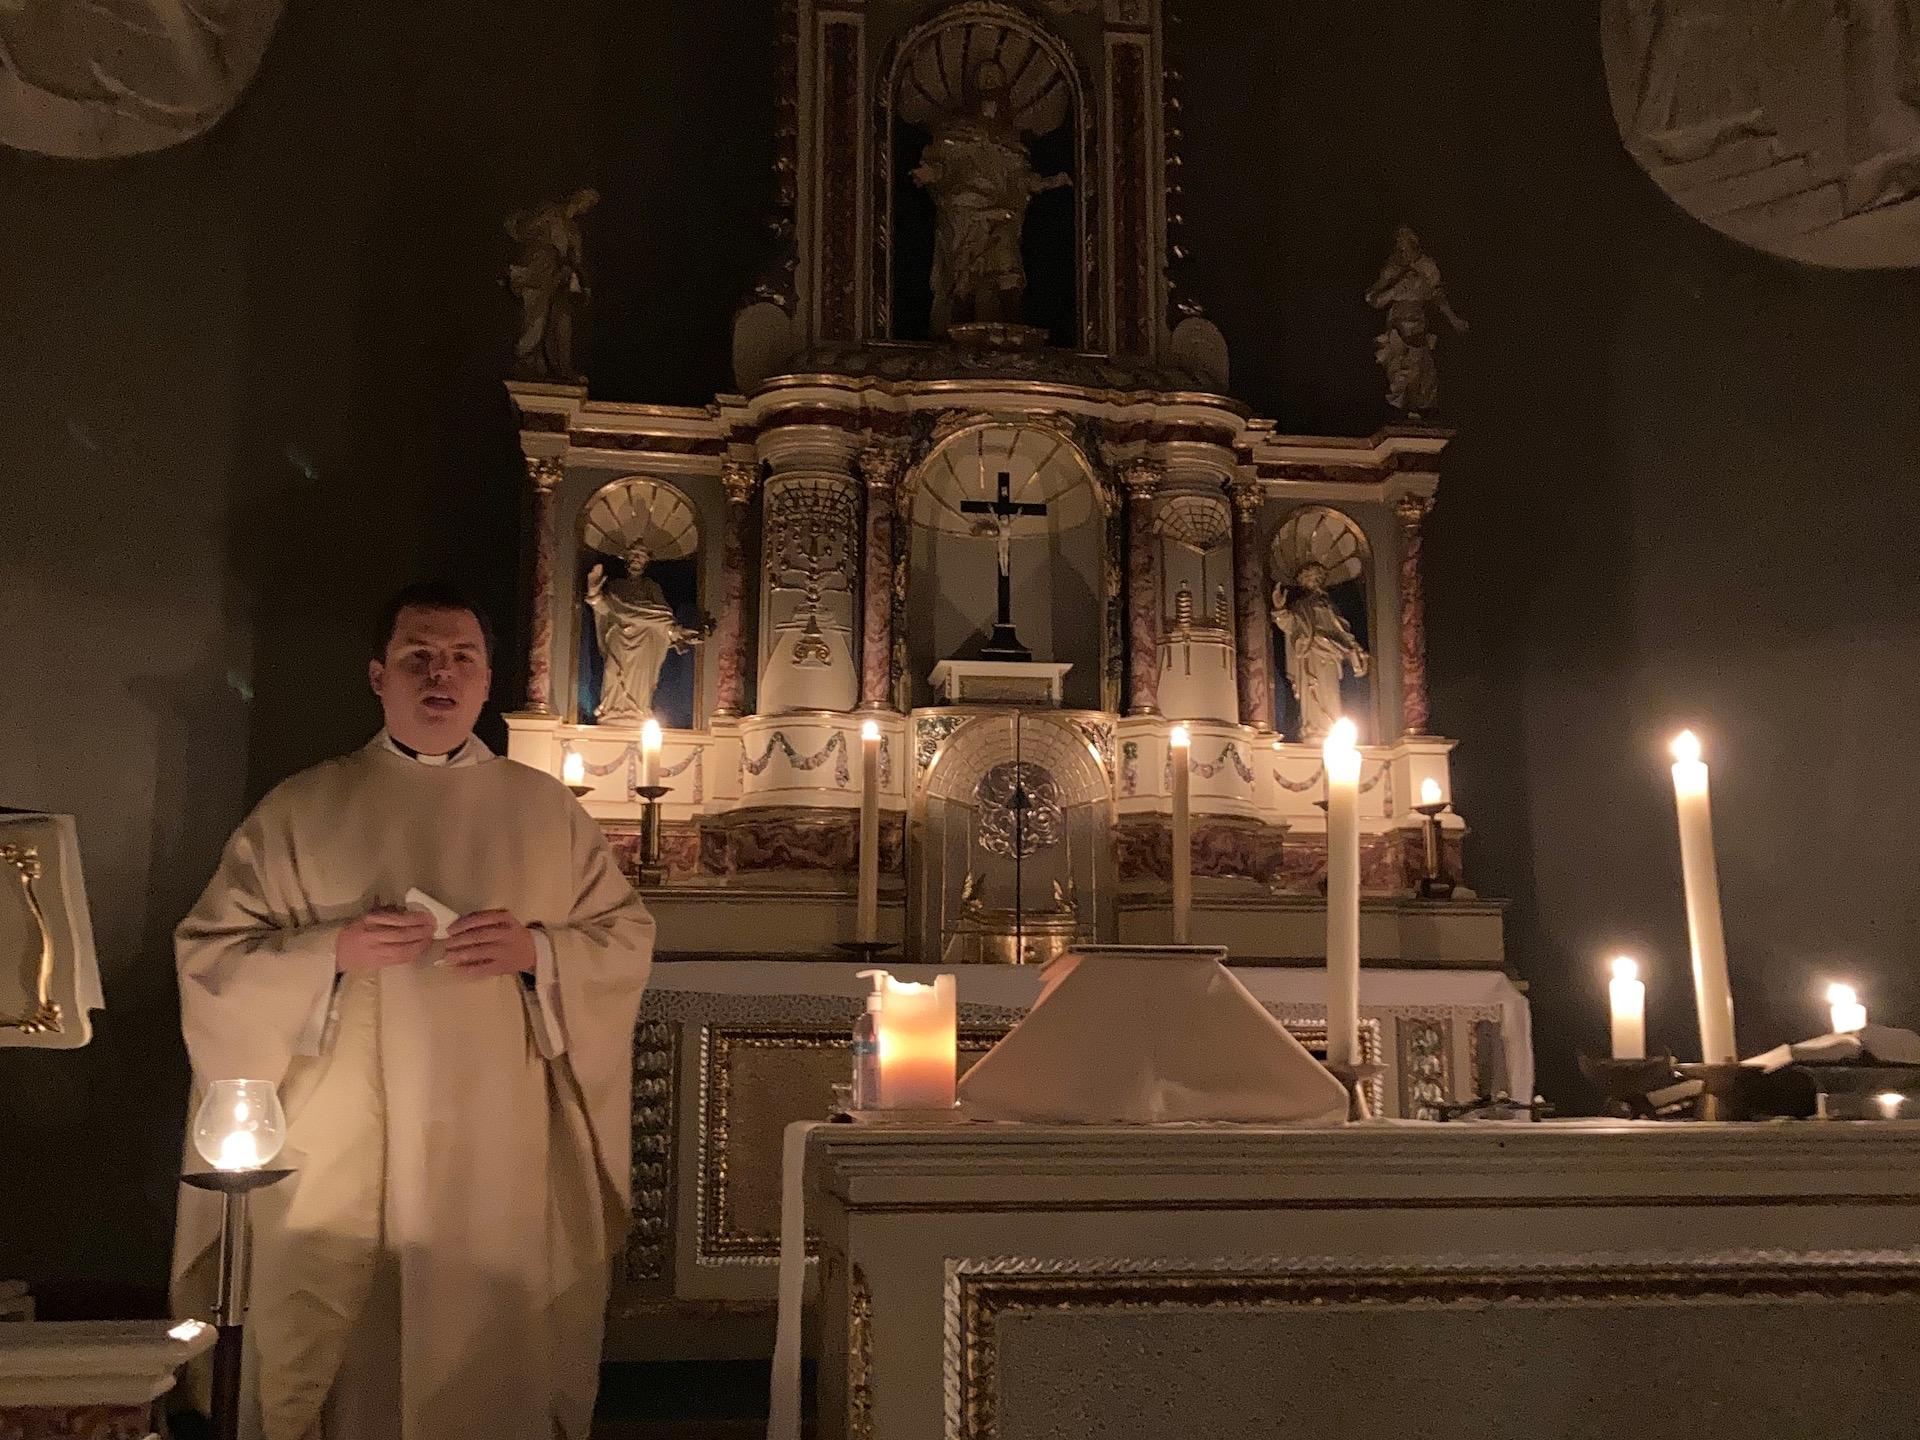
252,383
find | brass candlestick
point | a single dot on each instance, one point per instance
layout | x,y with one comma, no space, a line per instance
1434,885
1358,1080
652,872
230,1305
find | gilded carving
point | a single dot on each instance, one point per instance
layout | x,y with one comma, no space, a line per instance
655,1049
42,1017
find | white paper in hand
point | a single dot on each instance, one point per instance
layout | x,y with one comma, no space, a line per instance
443,915
1139,1035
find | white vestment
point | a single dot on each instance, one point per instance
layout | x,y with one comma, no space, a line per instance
438,1266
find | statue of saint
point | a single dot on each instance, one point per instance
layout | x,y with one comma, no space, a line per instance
635,629
981,177
1408,289
548,279
1319,646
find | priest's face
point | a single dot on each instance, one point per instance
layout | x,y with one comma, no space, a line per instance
433,679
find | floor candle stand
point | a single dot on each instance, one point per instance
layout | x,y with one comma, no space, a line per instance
230,1312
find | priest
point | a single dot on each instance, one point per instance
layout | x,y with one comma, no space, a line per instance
457,1104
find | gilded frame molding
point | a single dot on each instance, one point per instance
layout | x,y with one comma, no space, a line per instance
43,1016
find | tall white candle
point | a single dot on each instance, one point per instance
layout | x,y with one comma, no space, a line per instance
918,1044
650,752
1341,756
1712,993
1845,1009
867,920
1628,992
1180,750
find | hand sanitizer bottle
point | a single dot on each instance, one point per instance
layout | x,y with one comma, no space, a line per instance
866,1045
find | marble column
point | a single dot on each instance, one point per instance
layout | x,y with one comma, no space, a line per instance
1412,510
1254,647
899,682
739,477
544,476
880,467
1143,478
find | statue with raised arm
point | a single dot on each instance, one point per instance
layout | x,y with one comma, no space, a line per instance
1320,646
548,278
981,177
1409,290
635,629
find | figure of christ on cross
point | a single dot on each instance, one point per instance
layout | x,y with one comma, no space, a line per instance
1003,644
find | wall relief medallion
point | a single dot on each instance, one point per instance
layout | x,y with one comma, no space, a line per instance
93,81
1792,126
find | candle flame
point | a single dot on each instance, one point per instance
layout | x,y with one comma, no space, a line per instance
239,1151
1839,994
1180,739
1625,967
1344,735
1889,1102
870,730
1686,748
1429,791
650,734
573,769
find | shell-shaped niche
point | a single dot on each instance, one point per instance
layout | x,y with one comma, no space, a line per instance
639,510
977,49
1318,535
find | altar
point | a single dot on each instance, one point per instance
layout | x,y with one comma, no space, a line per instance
1501,1280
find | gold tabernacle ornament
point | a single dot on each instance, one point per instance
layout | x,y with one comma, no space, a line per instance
42,1017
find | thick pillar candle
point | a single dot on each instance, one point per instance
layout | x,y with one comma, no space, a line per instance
650,752
1180,749
1628,992
1712,993
1341,757
918,1045
868,915
1845,1009
573,768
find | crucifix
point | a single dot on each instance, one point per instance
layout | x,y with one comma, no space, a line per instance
1003,644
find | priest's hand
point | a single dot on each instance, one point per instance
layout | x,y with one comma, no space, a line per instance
489,942
384,937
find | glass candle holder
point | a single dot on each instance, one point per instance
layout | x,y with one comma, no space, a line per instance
240,1125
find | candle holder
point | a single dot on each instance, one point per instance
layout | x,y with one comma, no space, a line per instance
1729,1090
652,872
1862,1091
1358,1080
1639,1089
581,791
1434,885
230,1306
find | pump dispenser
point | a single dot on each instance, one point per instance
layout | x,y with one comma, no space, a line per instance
866,1044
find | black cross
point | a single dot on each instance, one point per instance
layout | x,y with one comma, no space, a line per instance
1004,644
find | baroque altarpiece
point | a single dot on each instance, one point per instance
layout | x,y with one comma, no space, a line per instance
983,482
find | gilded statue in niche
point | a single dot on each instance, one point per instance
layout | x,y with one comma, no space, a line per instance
1409,290
981,177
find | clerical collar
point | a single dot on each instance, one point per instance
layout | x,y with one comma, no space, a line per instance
451,757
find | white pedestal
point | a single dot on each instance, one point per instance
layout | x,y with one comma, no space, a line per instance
999,682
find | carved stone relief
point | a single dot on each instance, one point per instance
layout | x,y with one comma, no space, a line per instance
1793,126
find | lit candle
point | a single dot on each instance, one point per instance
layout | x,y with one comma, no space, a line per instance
1629,995
1429,791
1713,996
867,921
239,1151
573,769
650,752
1889,1102
1341,756
1846,1010
918,1045
1180,745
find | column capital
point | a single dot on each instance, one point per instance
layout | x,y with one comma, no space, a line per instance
882,464
1143,476
739,477
1412,509
545,472
1248,495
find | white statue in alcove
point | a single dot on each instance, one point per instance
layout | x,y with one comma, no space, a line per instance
1320,647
